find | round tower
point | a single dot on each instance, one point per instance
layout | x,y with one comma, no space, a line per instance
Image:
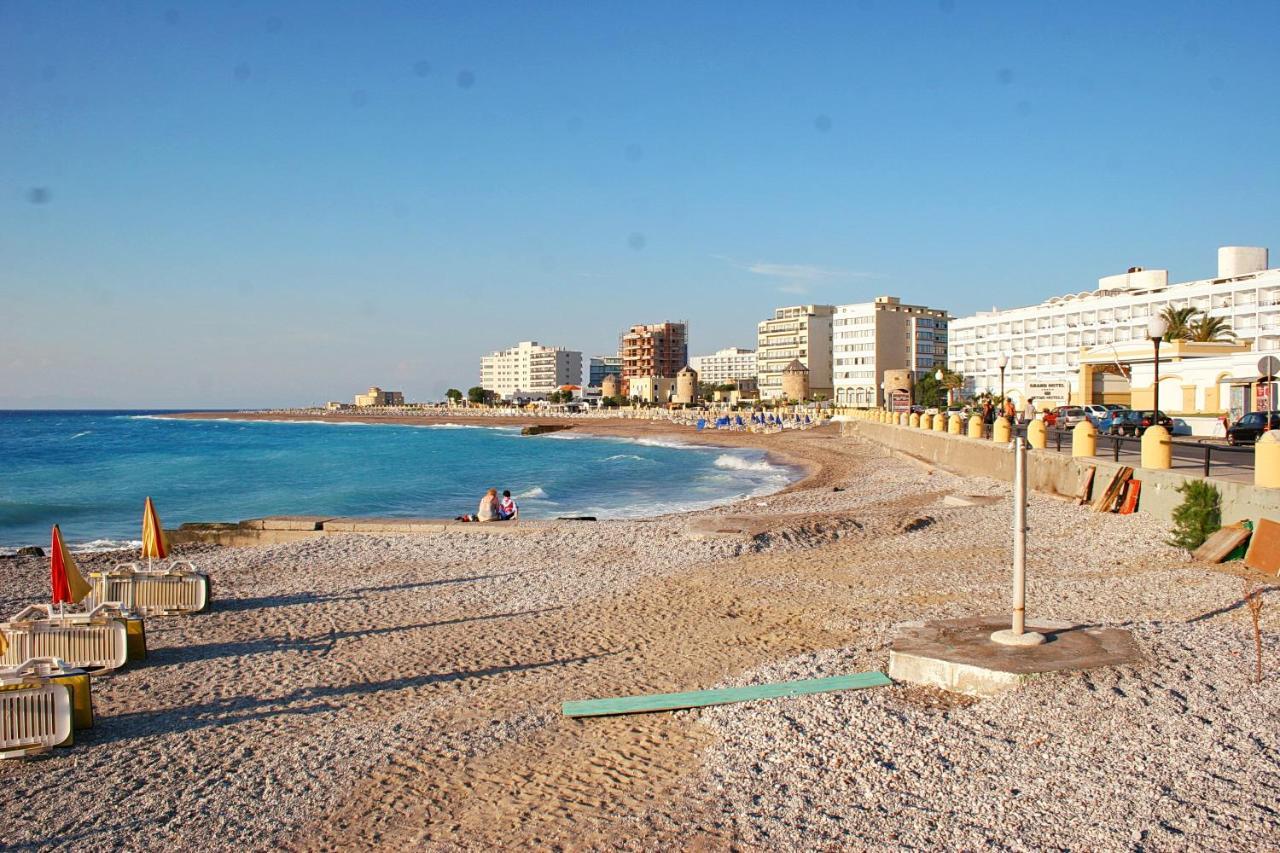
795,381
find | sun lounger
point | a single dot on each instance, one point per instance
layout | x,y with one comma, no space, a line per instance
168,591
97,641
75,680
135,628
35,712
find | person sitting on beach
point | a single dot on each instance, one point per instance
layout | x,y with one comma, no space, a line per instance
488,506
507,509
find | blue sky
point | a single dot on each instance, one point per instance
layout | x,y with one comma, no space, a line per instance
242,203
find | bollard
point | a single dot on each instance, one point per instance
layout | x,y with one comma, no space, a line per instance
1000,430
1084,439
939,422
1266,461
926,421
1037,434
904,419
975,426
913,420
1157,450
954,425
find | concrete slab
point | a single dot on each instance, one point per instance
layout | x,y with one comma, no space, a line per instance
958,654
384,525
294,522
971,500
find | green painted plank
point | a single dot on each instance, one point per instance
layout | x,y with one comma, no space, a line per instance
701,698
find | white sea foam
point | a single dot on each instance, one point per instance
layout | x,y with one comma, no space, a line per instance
738,463
619,456
535,492
96,545
79,434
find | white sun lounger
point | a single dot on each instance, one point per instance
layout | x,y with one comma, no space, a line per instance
169,591
35,713
97,641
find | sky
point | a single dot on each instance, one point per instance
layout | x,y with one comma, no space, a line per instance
281,203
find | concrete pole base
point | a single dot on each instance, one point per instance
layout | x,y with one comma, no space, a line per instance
1008,638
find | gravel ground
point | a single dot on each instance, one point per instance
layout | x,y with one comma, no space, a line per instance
362,692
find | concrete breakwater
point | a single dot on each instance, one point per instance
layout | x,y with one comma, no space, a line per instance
278,529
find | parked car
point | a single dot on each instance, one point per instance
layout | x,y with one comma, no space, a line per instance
1135,423
1068,416
1250,428
1096,413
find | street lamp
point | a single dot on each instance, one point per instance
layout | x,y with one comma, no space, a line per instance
1156,330
940,376
1002,364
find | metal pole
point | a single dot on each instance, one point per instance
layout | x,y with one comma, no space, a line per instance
1019,535
1002,388
1018,635
1155,399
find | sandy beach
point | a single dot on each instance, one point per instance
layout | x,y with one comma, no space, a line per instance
394,691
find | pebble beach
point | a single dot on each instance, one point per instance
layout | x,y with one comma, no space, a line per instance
362,692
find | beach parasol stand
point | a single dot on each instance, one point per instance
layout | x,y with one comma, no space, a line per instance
64,575
154,546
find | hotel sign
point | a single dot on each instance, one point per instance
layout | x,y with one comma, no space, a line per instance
1042,389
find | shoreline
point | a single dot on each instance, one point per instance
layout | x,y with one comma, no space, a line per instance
811,469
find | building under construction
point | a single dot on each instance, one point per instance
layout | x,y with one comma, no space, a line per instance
660,350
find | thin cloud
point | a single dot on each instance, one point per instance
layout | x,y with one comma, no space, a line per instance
794,287
795,272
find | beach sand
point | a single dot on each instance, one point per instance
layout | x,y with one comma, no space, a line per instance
392,691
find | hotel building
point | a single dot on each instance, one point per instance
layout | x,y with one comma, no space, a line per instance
796,332
869,338
602,366
660,349
1088,342
726,365
529,370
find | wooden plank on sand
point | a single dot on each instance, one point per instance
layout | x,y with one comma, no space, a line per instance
701,698
1107,500
1220,545
1086,485
1264,547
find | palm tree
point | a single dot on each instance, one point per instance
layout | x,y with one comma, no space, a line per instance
1179,320
1207,330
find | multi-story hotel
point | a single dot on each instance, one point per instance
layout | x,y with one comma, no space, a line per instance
869,338
796,332
529,370
602,366
1088,342
726,365
660,349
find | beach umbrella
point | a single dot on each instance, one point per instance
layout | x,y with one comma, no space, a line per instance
153,544
64,576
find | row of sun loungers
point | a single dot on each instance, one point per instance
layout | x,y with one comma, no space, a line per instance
47,654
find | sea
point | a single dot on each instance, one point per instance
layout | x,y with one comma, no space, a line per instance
90,471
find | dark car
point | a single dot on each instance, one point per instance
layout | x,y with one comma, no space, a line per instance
1136,423
1250,428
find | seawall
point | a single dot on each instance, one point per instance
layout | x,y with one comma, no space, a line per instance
1056,473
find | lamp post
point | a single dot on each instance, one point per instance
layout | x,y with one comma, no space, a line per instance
1156,330
940,376
884,397
1002,364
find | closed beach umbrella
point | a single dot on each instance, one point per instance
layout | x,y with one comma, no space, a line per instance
153,544
64,576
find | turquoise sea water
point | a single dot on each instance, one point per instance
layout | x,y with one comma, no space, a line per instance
90,471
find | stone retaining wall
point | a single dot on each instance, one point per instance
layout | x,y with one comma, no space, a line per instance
1057,473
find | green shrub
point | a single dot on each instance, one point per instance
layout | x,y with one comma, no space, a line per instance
1198,516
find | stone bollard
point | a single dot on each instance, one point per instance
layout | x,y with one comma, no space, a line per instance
1000,430
1037,434
940,422
1084,439
975,426
913,420
954,425
1157,451
1266,460
926,421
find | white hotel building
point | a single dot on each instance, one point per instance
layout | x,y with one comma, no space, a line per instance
1091,340
529,370
869,338
726,365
